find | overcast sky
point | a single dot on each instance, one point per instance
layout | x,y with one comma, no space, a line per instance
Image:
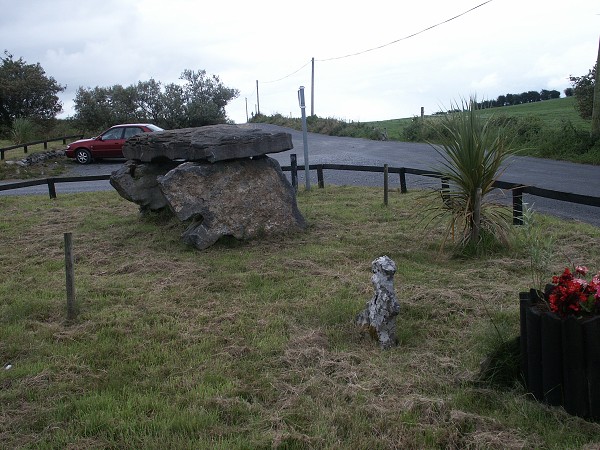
503,46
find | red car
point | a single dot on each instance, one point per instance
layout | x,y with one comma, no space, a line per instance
109,144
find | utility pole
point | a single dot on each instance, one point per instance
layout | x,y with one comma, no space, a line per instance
304,136
596,107
312,89
257,101
246,109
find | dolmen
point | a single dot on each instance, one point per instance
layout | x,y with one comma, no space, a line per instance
216,178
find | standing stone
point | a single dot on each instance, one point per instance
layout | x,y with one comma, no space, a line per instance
379,316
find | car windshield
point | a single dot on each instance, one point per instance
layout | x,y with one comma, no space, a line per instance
154,128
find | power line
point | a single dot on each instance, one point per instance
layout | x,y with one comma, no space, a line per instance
289,75
406,37
380,46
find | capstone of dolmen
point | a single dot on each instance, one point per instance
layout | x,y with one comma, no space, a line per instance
218,178
211,143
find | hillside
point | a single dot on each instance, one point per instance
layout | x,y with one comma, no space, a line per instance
551,112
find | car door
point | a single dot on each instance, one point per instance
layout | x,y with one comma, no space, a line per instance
110,144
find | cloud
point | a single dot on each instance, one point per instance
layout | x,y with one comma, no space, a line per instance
503,46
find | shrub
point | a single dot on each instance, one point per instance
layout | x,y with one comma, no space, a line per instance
472,152
566,140
23,130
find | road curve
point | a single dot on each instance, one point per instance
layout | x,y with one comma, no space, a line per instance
543,173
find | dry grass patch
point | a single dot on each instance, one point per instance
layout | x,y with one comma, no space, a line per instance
253,345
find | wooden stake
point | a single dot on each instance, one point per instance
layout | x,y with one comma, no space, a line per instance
70,277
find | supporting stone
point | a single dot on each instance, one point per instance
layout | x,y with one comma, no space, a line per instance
245,198
137,182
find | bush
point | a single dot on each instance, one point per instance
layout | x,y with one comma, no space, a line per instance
564,141
23,130
519,130
329,126
473,153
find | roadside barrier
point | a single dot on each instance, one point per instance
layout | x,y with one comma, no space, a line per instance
517,189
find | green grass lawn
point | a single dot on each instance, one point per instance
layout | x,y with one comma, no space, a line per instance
253,345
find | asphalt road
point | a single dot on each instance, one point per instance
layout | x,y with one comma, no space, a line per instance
549,174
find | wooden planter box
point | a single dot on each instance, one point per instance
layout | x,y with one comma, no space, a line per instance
560,358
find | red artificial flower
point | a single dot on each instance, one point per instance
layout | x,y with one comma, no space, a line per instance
573,295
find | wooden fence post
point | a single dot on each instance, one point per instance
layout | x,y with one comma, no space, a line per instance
51,187
294,164
517,194
385,184
320,179
402,180
70,277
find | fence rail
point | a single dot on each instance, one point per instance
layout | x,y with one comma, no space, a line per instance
42,141
517,189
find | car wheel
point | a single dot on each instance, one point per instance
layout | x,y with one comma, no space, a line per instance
83,156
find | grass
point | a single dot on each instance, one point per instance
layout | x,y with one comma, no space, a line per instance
253,345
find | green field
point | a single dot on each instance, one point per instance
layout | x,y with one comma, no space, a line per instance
253,345
551,112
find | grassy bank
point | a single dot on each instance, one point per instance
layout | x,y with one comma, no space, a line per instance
252,345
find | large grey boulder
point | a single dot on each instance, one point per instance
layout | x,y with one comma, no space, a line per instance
245,198
379,315
210,143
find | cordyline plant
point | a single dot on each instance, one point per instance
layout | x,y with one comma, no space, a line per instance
473,153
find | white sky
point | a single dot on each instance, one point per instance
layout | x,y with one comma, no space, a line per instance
504,46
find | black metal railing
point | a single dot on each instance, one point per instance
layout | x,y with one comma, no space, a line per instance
517,189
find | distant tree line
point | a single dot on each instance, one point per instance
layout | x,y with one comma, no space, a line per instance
524,97
518,99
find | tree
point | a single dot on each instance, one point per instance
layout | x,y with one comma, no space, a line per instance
93,108
205,98
26,91
201,100
583,91
548,95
